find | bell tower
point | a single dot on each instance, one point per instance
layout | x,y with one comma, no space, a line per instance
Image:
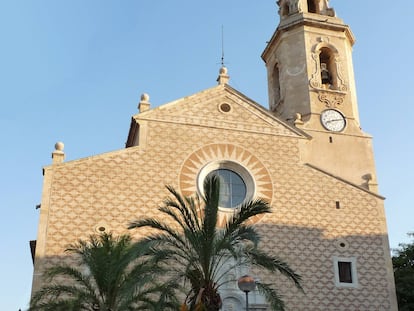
311,85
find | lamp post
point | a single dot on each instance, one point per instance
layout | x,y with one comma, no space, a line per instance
246,284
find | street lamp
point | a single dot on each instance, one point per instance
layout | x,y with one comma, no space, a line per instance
246,284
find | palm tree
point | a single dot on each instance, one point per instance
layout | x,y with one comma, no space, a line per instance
112,274
198,252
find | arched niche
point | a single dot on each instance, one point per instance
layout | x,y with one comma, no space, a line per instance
313,6
276,86
284,8
327,68
319,7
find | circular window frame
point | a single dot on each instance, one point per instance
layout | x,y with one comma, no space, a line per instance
237,168
225,107
101,228
342,245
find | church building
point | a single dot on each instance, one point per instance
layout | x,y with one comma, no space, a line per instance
306,155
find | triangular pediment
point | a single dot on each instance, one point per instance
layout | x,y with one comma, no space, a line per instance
220,107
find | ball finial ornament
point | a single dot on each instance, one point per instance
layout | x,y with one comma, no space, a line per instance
223,70
59,146
145,97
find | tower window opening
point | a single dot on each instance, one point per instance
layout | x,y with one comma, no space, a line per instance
327,67
312,6
285,9
276,87
330,139
325,74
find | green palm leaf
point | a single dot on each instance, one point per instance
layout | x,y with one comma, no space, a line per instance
112,274
196,252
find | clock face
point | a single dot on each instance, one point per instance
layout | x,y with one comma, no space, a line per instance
333,120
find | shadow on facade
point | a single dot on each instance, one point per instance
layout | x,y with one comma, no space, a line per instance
314,254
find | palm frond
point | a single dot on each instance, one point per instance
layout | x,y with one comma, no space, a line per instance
156,224
248,210
72,274
200,254
60,297
275,300
59,305
118,273
188,207
211,200
270,263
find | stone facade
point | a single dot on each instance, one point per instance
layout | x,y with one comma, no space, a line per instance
322,212
294,57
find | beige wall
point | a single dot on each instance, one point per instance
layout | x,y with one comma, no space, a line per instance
305,228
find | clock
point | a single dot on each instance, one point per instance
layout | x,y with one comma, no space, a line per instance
333,120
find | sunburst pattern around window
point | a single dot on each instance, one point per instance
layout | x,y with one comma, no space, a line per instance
206,155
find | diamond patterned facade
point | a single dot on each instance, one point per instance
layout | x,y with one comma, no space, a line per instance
322,207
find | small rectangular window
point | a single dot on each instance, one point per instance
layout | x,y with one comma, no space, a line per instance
345,272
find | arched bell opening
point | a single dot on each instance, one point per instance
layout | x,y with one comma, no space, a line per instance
285,10
313,6
276,87
328,68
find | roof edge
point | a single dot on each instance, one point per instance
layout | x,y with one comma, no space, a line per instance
345,181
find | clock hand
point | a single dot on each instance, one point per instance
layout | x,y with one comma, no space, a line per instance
330,121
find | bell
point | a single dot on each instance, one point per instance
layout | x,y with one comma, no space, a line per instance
325,75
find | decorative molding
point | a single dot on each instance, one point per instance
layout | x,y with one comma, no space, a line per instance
315,80
289,7
208,154
331,100
323,39
342,85
298,120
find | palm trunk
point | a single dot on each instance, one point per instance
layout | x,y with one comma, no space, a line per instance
211,299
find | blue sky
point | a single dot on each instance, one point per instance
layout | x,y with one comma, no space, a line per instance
73,71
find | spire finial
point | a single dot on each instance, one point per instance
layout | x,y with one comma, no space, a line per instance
58,155
222,46
223,78
144,103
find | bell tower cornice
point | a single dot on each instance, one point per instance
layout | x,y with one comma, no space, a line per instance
308,20
309,61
